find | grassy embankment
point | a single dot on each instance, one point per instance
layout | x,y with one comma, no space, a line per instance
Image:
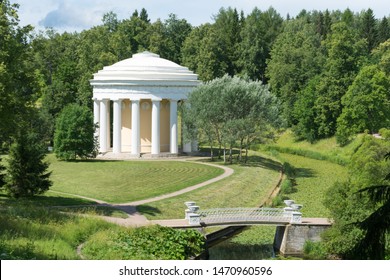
125,181
35,229
28,231
317,167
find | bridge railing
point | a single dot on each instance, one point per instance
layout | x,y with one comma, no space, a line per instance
241,215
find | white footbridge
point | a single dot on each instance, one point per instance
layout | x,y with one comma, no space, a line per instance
243,216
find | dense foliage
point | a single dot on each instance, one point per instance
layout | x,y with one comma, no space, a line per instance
27,173
74,134
360,215
231,110
146,243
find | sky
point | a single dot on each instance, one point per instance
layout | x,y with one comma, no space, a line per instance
77,15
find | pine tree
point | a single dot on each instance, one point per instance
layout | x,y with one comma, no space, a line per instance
369,29
383,30
27,173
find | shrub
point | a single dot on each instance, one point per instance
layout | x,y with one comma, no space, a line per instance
153,242
314,251
287,187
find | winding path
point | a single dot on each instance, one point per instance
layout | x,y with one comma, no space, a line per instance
134,218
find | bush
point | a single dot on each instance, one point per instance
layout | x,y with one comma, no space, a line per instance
144,243
314,251
287,187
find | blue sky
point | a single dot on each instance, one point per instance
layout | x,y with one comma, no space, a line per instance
76,15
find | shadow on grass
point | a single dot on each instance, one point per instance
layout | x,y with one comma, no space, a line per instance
258,161
304,173
148,210
42,200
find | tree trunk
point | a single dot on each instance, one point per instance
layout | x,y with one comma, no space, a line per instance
240,155
211,151
224,154
231,154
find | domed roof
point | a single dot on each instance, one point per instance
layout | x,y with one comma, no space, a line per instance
145,66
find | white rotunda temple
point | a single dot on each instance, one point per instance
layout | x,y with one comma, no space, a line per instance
143,93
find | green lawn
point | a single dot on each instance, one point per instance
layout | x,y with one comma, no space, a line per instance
313,178
247,187
125,181
325,149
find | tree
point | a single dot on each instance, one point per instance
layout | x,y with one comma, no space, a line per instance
2,174
296,58
110,21
27,173
355,208
18,87
365,105
377,225
231,110
176,31
74,133
369,30
383,30
345,54
258,34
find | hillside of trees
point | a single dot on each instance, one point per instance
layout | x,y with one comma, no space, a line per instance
329,69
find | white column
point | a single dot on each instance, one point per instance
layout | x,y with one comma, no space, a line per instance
96,115
156,127
135,128
103,126
117,143
173,126
108,124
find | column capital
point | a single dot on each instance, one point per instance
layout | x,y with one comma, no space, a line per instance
116,99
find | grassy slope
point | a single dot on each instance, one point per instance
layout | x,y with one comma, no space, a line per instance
247,187
124,181
313,179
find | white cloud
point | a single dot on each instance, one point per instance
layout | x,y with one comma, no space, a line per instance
75,15
69,15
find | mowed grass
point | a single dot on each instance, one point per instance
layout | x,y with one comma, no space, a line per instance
248,186
313,179
126,181
325,149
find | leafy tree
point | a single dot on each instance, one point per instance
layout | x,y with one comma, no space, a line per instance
110,21
74,133
258,34
27,173
365,105
353,206
345,53
229,110
18,85
176,31
227,28
377,225
296,58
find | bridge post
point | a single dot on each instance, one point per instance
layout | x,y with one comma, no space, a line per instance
296,217
190,213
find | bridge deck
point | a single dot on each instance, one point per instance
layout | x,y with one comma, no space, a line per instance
183,223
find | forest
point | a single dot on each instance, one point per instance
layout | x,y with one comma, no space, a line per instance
328,69
323,73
